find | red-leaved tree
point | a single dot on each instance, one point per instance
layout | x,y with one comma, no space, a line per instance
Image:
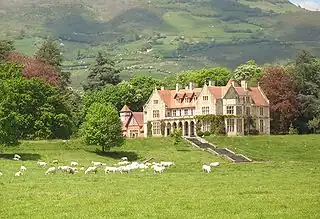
33,68
281,91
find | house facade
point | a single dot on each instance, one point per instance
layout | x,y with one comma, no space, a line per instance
181,108
132,123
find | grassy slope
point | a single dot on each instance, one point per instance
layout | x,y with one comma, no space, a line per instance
278,189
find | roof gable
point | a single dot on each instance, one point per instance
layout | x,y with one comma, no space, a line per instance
231,93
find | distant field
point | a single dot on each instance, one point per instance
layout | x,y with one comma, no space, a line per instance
287,186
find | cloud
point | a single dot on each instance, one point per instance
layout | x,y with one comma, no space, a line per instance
312,5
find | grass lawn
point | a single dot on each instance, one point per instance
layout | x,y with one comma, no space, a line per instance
283,188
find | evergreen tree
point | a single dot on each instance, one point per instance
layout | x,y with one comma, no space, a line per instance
6,47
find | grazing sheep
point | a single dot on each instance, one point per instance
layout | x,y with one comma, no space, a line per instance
91,169
63,168
214,164
50,170
166,164
18,173
74,164
111,169
72,170
125,169
103,164
15,158
206,168
55,161
23,169
41,163
82,168
123,163
158,169
124,158
95,164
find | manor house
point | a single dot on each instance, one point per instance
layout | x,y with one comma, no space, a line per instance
168,109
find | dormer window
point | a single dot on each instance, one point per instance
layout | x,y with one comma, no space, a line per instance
186,100
205,98
155,101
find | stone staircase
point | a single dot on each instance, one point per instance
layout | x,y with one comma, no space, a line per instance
225,152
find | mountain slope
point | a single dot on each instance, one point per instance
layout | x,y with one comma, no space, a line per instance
163,36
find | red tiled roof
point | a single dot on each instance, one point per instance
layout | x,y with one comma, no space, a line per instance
216,91
139,117
125,108
168,97
257,97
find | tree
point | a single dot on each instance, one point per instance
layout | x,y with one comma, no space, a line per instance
307,78
101,73
281,91
314,125
49,52
102,126
249,71
6,47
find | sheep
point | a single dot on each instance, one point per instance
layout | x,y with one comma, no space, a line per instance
63,168
41,163
55,161
166,164
124,158
82,168
123,163
95,164
1,174
214,164
74,164
91,169
72,170
19,173
23,169
103,164
50,170
206,168
17,156
126,169
111,169
158,169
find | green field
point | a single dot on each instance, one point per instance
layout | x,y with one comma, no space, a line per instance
283,184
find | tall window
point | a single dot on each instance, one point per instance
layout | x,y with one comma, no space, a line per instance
239,125
248,111
205,110
186,112
156,128
205,126
261,111
230,110
230,125
155,101
239,110
261,126
191,111
174,112
247,99
194,99
156,114
205,98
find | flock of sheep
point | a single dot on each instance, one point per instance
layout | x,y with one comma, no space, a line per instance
124,166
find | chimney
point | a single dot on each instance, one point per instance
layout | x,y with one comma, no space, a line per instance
211,83
177,87
191,85
244,84
162,87
187,87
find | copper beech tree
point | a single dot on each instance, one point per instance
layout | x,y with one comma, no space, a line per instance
33,68
280,89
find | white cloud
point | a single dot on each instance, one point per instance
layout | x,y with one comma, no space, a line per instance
312,5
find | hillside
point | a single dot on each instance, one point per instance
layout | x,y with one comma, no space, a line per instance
160,37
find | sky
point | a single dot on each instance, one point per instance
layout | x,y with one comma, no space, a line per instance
313,5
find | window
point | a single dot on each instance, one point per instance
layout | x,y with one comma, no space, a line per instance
191,111
205,98
186,100
230,125
194,99
248,111
261,126
156,128
247,99
174,112
239,110
156,114
186,112
261,111
155,101
205,126
230,110
205,110
239,125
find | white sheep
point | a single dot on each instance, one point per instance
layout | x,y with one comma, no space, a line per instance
103,164
206,168
125,169
214,164
74,164
111,169
41,163
166,164
82,168
158,169
1,174
95,164
63,168
91,169
124,158
55,161
19,173
17,156
72,170
23,169
50,170
123,163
